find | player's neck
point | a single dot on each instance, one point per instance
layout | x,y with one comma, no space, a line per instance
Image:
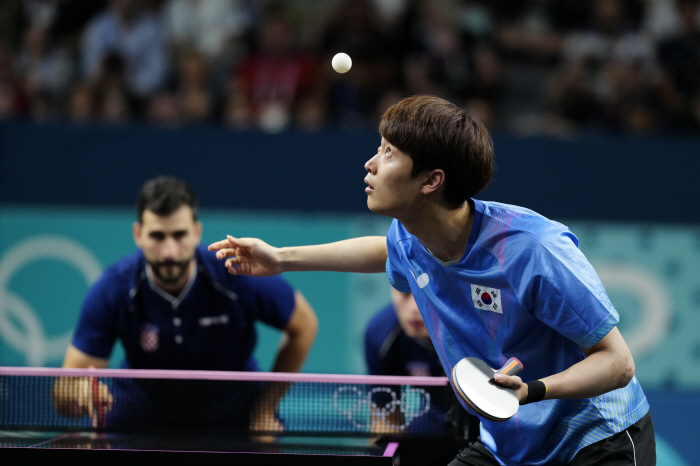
445,232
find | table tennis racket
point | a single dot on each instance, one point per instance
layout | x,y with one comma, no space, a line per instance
473,381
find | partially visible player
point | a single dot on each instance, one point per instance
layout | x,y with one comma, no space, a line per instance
172,306
492,281
397,342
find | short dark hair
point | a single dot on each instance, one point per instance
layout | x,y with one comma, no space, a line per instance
436,134
164,195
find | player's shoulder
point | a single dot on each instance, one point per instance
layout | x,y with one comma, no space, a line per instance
519,223
118,279
499,211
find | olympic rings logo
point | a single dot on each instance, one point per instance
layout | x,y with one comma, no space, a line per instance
29,338
352,402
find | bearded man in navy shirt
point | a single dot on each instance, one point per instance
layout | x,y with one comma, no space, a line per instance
172,306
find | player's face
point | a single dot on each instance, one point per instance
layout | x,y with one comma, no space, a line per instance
391,191
168,243
408,314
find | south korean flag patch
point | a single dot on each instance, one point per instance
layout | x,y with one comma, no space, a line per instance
487,299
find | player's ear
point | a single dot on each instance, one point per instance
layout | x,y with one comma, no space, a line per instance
433,181
198,229
136,232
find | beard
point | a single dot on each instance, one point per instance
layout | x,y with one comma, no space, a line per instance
170,271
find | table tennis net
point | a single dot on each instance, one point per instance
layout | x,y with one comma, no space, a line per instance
200,401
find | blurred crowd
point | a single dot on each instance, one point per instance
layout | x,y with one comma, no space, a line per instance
552,67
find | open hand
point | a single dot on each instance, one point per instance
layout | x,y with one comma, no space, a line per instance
248,256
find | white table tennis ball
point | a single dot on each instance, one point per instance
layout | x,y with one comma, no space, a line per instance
342,62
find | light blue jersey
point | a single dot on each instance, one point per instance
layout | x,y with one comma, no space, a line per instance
523,289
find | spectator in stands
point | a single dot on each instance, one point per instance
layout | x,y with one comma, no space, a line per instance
680,58
274,77
81,104
213,29
114,101
130,30
163,110
533,66
357,28
608,73
46,70
13,102
194,90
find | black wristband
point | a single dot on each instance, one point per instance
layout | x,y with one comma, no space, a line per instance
536,390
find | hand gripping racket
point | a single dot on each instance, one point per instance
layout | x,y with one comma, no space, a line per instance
98,415
473,381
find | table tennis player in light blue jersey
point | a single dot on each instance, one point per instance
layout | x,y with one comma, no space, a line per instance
492,281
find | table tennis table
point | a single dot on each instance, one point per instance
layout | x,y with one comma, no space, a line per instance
328,419
89,448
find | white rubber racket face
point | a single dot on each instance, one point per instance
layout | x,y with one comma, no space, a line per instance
471,378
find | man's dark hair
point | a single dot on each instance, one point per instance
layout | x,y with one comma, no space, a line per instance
164,195
437,134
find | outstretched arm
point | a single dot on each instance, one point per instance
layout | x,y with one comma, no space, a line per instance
251,256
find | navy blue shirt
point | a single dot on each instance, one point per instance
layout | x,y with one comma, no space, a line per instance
389,351
210,326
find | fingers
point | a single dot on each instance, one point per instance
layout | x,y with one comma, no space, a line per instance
510,381
106,398
234,267
218,245
229,242
226,252
513,382
228,247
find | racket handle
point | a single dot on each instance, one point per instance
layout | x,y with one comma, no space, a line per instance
511,367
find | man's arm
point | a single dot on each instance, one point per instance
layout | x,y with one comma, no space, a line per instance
251,256
608,365
76,359
74,396
297,338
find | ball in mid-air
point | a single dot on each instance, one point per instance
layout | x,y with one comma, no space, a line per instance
341,62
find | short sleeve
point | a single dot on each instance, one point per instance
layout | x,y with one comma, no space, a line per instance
562,289
271,298
394,265
96,331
